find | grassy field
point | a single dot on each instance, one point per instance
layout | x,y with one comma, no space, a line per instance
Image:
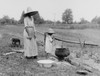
17,65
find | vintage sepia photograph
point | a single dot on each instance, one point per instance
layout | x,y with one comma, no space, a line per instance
49,37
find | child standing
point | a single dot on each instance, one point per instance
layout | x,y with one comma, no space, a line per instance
48,40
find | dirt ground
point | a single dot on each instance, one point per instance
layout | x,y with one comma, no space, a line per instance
16,65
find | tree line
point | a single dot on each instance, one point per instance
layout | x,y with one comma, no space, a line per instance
67,18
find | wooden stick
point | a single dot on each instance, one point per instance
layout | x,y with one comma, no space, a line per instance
75,42
9,53
70,41
40,32
61,40
14,51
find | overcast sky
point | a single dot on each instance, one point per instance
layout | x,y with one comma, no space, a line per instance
51,9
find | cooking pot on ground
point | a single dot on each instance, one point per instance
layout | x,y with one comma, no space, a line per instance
61,53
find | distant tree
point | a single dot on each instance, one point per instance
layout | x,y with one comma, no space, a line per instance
6,17
96,20
38,19
83,21
67,16
6,20
13,21
49,22
58,22
21,20
75,22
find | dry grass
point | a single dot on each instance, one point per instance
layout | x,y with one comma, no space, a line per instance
17,65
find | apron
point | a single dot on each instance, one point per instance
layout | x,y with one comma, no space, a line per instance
30,46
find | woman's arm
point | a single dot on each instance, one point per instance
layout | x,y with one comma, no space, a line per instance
53,38
26,25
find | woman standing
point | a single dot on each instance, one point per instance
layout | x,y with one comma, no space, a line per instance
30,45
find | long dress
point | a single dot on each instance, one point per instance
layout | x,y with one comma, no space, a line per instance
30,46
48,44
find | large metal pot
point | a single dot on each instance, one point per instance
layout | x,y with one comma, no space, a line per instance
61,53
